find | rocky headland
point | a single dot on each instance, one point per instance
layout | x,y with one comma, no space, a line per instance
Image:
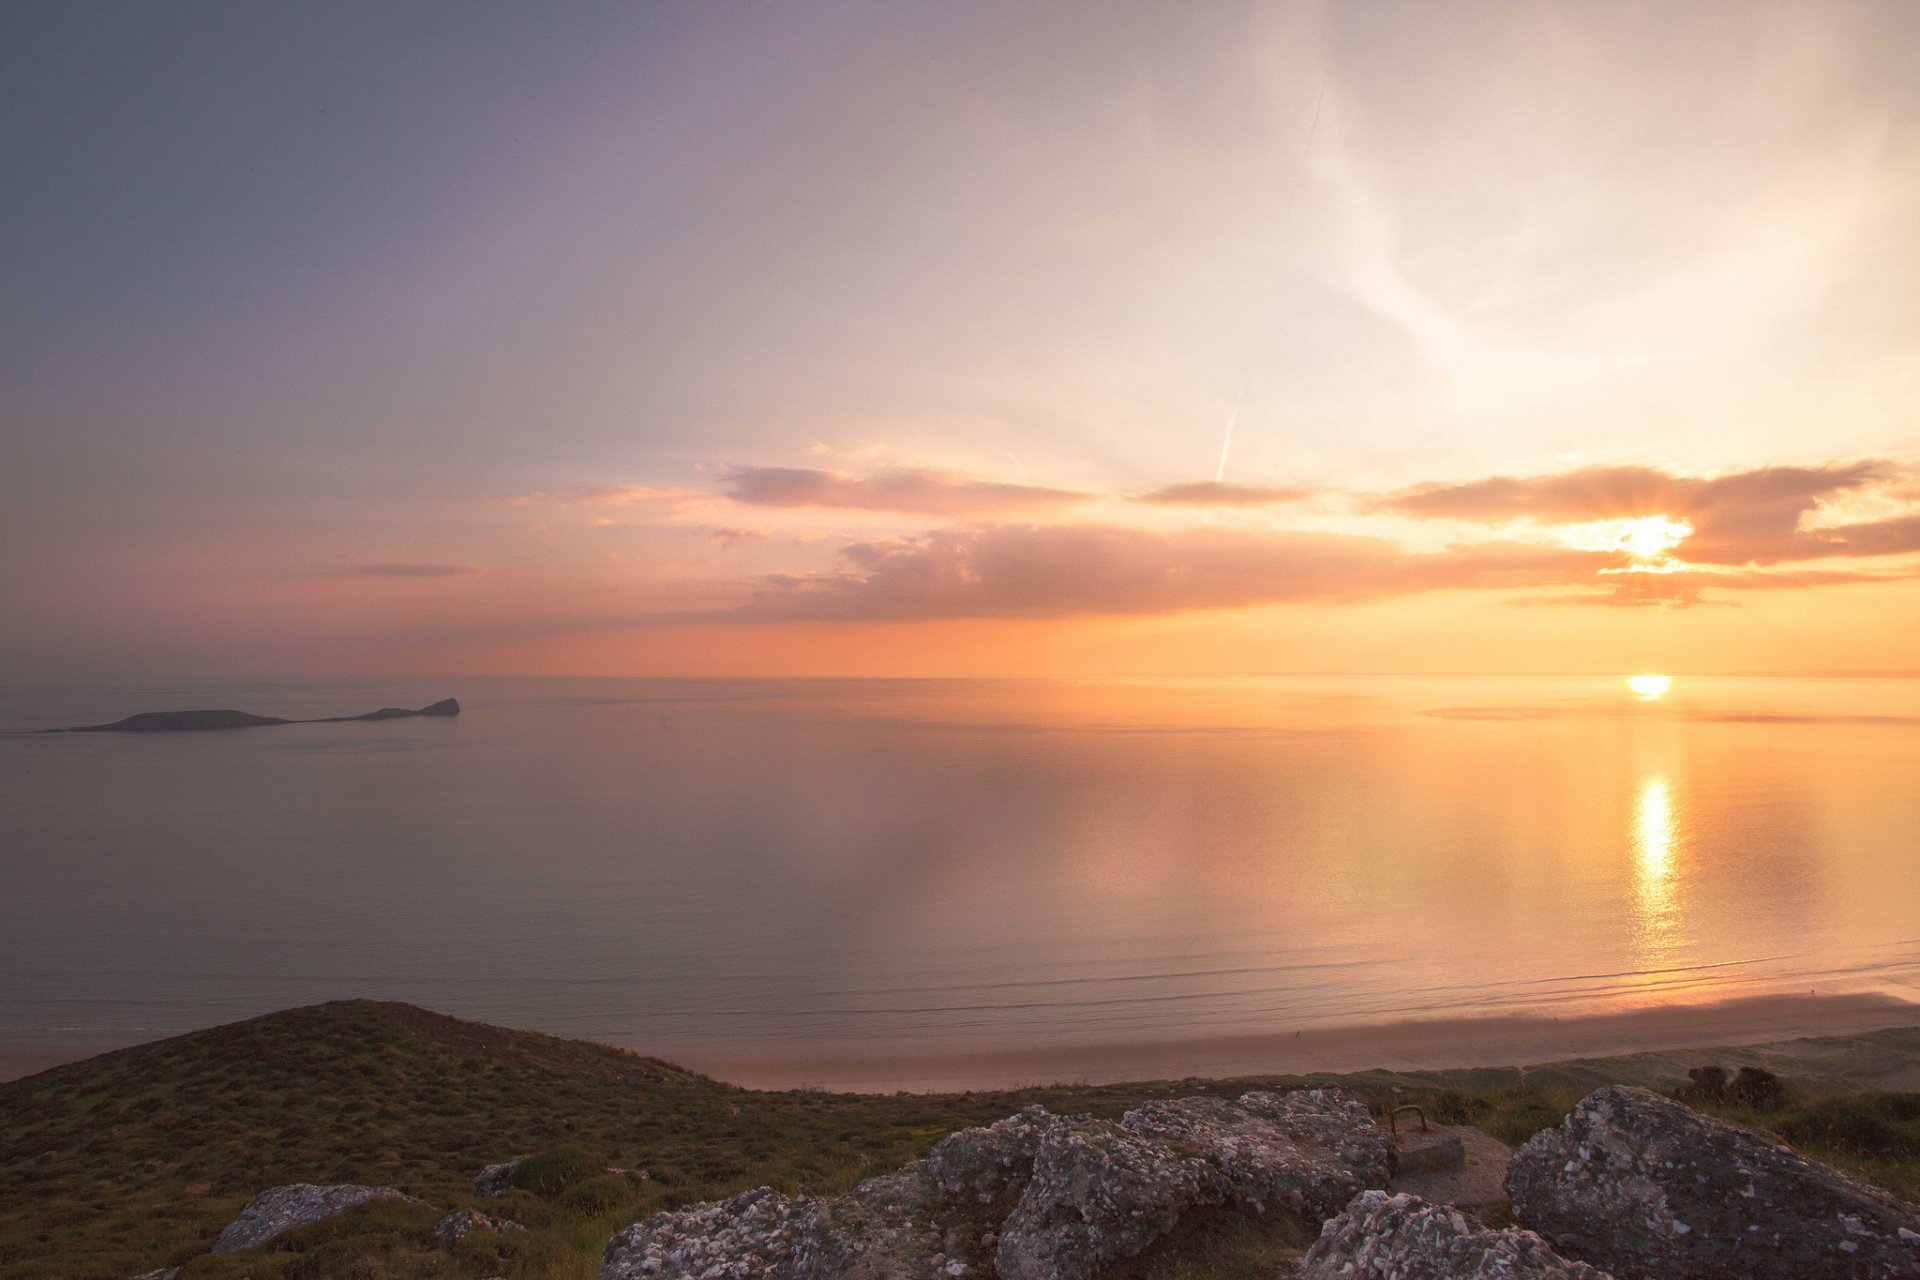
190,721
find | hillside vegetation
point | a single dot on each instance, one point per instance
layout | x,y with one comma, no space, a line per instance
137,1159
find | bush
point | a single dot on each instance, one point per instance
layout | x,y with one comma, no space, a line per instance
1867,1125
597,1195
551,1172
1758,1089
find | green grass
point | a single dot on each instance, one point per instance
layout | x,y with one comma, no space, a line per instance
136,1160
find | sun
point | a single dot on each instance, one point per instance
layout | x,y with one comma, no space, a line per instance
1646,541
1649,688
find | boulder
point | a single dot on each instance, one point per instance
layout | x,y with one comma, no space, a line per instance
284,1208
496,1179
749,1236
934,1218
1306,1152
1100,1194
462,1223
1649,1188
1034,1195
1402,1237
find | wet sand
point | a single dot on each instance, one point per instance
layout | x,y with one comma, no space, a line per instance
1431,1044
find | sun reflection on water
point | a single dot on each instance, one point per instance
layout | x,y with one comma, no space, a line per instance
1653,837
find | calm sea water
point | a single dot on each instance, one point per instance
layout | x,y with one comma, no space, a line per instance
710,869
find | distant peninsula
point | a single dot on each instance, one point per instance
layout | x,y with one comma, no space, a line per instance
187,721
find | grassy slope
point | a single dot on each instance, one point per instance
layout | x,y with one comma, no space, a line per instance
137,1159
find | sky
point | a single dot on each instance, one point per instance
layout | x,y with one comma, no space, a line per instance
920,339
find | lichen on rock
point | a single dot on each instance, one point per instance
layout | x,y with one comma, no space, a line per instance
1034,1195
281,1209
1649,1188
1402,1237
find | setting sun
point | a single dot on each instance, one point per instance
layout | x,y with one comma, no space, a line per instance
1648,688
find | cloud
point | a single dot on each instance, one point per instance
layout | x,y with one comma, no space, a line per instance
913,490
1747,517
733,536
1215,493
407,570
616,495
1062,570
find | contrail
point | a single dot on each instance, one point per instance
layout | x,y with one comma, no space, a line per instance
1226,442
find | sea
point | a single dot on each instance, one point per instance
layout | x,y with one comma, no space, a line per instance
797,871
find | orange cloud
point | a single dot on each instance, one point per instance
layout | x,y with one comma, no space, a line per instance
1747,517
1063,570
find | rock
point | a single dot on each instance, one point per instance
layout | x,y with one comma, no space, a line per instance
934,1218
159,1273
1478,1180
284,1208
1101,1193
1430,1151
1401,1237
1034,1195
1307,1152
462,1223
751,1235
1649,1189
496,1179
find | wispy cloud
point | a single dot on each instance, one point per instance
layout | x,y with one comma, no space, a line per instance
404,569
1215,493
909,490
666,499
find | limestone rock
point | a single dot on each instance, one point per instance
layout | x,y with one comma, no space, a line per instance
461,1223
496,1179
749,1236
1649,1188
1034,1195
1401,1237
284,1208
1306,1152
1100,1194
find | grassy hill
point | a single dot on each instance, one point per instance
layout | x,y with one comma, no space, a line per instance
137,1159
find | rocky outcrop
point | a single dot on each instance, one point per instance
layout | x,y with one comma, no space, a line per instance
284,1208
462,1223
1035,1195
496,1179
1401,1237
1649,1189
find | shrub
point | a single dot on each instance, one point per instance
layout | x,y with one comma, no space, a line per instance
1858,1126
597,1195
550,1172
1758,1089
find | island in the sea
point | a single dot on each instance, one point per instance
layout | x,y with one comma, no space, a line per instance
183,721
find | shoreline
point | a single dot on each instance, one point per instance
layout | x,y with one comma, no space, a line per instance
1435,1044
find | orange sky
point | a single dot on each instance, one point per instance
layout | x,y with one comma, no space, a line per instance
855,341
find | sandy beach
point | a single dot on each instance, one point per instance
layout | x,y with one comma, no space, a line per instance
1426,1044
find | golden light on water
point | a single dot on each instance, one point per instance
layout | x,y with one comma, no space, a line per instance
1653,839
1649,688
